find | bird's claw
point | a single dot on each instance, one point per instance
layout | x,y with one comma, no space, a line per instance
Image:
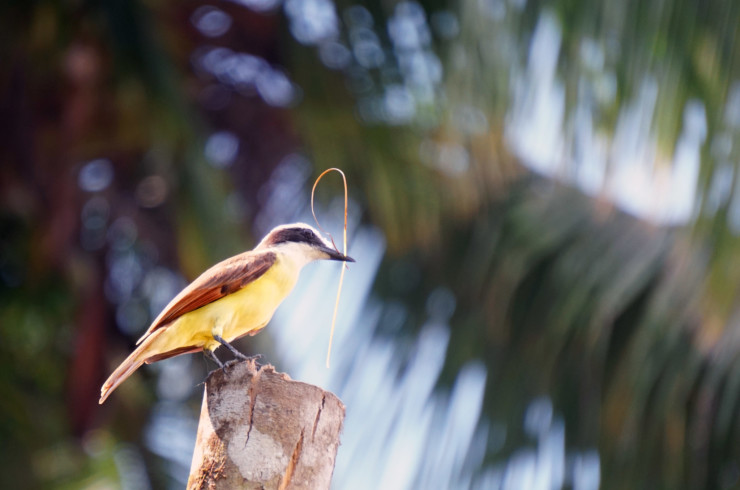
241,358
228,364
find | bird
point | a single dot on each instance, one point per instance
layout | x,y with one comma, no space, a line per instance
235,297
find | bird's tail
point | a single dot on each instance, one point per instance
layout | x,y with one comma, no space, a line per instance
146,352
127,367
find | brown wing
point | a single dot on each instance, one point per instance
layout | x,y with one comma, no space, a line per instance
223,278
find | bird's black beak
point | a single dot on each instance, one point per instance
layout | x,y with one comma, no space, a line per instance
334,255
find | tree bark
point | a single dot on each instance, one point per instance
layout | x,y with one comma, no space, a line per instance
259,429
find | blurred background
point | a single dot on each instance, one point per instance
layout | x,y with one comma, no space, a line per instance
544,209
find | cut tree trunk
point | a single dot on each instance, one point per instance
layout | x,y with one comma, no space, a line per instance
260,429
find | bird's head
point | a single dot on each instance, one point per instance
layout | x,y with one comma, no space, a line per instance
302,240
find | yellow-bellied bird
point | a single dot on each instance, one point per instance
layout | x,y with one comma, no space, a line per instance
233,298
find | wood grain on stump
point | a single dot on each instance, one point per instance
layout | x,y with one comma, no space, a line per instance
260,429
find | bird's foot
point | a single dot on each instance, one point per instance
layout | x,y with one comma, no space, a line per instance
225,366
232,362
254,358
233,349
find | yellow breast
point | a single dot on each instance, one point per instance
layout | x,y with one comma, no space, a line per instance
238,313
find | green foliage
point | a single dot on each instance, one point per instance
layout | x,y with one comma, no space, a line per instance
629,327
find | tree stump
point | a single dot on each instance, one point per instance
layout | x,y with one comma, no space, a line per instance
259,429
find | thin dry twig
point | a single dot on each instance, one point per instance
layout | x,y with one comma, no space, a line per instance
341,277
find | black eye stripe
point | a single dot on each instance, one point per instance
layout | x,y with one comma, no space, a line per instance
295,235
